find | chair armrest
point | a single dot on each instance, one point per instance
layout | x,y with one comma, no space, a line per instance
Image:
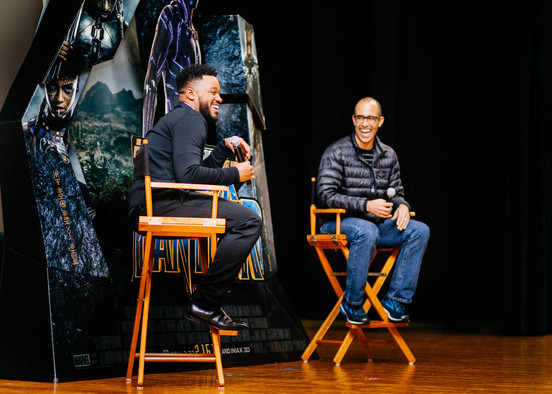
329,210
212,190
314,211
341,210
189,186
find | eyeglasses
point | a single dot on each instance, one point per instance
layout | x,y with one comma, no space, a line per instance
370,119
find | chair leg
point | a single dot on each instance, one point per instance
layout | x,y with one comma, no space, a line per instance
402,344
215,336
322,331
364,343
351,334
344,346
144,330
136,330
203,254
328,270
372,291
138,316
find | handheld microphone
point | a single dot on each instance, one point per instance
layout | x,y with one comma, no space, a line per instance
235,142
390,194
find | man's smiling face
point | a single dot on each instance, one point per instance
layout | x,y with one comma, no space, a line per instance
208,90
367,120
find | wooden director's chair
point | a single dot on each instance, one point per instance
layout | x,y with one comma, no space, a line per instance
322,242
167,227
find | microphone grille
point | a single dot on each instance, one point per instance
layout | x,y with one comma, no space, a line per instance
235,141
391,192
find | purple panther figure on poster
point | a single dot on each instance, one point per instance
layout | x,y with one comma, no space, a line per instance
175,46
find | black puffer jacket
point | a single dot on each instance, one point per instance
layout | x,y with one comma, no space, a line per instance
346,180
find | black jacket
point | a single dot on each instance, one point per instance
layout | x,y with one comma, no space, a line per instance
346,180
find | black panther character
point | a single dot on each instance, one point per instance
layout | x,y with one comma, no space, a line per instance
175,46
98,30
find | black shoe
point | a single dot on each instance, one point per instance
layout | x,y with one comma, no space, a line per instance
218,319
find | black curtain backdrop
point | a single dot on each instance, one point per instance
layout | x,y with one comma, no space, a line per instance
465,90
528,271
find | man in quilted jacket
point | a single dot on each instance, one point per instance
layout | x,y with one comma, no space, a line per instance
355,173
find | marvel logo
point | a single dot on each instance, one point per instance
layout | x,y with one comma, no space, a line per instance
81,360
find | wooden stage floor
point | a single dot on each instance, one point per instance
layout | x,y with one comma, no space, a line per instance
447,362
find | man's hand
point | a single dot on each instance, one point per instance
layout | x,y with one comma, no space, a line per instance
380,208
244,146
246,171
402,216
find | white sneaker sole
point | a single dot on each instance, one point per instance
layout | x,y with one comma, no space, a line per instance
395,320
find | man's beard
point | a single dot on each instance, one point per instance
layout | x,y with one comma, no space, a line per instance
205,110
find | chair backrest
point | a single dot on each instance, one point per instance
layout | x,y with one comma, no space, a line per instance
142,171
141,168
314,211
136,144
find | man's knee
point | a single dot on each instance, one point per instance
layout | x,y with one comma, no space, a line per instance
256,223
421,231
247,220
363,231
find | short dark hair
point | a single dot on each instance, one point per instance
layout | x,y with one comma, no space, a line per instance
193,73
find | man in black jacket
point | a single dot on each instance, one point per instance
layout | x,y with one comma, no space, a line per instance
355,173
176,146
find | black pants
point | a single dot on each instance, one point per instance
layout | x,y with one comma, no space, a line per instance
243,228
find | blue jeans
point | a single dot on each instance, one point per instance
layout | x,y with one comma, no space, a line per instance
364,236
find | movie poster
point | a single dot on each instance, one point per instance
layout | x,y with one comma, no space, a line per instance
67,199
111,79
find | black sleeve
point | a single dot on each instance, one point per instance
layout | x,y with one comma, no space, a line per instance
188,140
218,156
